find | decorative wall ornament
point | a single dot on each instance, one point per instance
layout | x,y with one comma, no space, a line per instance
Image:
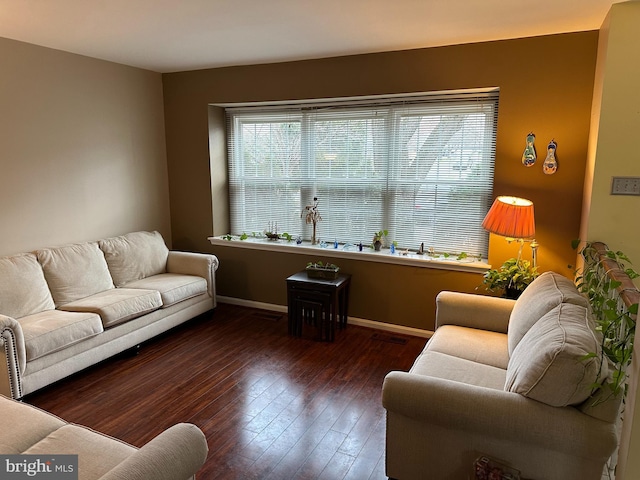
312,216
550,164
529,156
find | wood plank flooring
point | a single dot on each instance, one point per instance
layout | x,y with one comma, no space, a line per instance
271,406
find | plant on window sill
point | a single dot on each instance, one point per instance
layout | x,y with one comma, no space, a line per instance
230,237
378,239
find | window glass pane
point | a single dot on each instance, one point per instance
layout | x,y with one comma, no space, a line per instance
348,170
264,176
420,168
443,176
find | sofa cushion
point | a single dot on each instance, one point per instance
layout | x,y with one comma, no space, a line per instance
23,288
173,287
456,369
543,294
52,330
135,256
480,346
75,271
548,364
117,305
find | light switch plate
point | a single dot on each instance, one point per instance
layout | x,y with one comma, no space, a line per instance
625,185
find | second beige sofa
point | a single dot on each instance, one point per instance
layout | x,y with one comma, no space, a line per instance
507,380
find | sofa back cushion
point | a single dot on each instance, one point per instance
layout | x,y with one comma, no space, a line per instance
549,363
23,288
543,294
135,256
75,271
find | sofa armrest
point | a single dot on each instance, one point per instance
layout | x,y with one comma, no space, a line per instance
192,263
13,357
496,413
175,454
473,311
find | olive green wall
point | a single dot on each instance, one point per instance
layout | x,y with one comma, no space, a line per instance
546,86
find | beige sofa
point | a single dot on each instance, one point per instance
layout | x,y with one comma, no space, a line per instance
63,309
175,454
506,380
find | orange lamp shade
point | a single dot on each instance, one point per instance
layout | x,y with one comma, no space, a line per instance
511,217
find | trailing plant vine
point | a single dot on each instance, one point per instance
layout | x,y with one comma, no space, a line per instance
616,323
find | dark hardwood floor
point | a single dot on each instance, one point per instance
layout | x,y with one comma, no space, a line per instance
271,406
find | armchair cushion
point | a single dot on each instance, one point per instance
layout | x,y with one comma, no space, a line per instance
135,256
23,288
543,294
549,363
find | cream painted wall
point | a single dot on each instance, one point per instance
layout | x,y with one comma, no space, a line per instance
82,149
613,151
613,219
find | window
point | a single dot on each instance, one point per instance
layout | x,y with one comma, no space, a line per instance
420,167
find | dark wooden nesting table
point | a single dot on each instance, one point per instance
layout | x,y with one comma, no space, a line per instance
321,302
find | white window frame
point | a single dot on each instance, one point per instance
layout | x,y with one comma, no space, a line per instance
309,186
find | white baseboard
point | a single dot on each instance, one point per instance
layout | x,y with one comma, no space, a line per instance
362,322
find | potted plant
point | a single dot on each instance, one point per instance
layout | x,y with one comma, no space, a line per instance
511,278
378,239
319,269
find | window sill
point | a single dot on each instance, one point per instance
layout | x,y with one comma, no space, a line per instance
352,253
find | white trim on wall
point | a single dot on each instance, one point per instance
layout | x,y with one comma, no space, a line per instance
362,322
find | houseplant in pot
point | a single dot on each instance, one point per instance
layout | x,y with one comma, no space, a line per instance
324,270
378,239
511,278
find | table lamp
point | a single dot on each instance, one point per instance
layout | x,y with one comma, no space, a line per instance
513,218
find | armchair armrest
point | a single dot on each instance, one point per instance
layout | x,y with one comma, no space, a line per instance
473,311
192,263
175,454
13,357
498,414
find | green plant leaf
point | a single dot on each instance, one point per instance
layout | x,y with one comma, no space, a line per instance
616,323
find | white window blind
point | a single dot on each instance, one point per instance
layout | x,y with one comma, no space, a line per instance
419,167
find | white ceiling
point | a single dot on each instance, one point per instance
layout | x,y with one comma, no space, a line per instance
177,35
